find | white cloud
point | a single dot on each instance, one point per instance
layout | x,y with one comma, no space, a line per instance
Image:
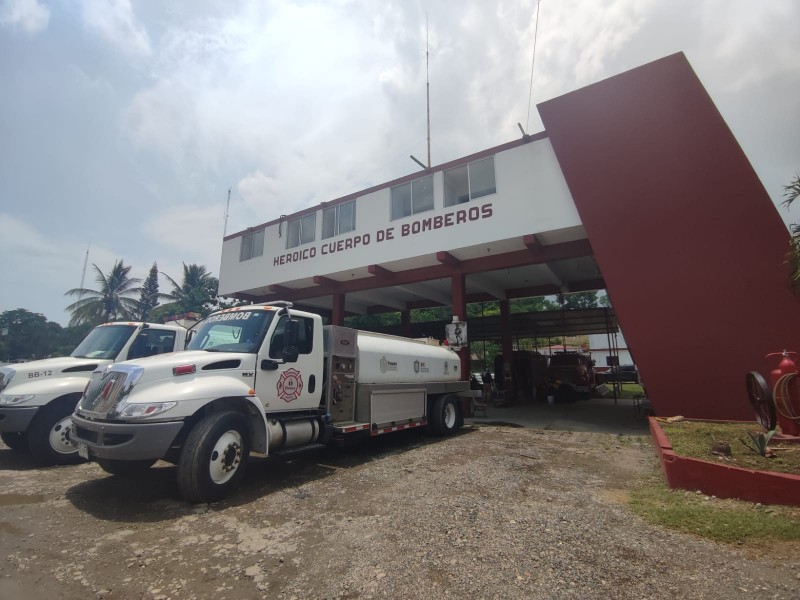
44,267
31,16
190,231
114,21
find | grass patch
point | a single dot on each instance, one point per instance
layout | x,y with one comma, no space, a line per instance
730,521
694,439
627,390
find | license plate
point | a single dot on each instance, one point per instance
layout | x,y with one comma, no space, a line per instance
83,451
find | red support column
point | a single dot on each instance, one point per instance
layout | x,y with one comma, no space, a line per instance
337,314
460,310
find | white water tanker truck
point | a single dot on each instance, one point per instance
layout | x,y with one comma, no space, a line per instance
262,378
37,398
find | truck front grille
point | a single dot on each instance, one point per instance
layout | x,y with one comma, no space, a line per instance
104,392
107,389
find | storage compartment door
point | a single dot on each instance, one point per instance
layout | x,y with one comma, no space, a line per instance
389,406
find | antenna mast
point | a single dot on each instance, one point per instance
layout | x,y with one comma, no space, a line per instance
85,261
428,87
227,209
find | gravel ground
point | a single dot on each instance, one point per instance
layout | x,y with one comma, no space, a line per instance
494,512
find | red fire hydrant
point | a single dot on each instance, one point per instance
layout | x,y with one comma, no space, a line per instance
784,382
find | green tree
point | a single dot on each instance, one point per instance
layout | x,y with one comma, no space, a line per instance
790,193
536,304
27,335
579,300
111,301
196,293
149,297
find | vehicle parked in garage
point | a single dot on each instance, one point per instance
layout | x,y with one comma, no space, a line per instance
622,374
570,376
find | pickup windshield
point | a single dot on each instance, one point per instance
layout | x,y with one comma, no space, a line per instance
237,331
104,341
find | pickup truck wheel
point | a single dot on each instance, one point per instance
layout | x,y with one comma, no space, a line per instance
49,435
124,467
16,440
214,457
445,417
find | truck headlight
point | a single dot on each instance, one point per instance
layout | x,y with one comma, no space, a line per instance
8,399
141,411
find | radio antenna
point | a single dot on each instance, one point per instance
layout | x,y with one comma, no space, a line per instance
227,209
85,261
428,86
533,62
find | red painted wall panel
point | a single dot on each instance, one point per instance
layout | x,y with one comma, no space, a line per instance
689,243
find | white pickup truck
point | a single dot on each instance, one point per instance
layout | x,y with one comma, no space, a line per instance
268,379
37,398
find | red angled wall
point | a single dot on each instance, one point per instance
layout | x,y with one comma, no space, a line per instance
689,243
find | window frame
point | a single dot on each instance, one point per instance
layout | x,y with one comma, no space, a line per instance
337,219
413,209
249,241
300,232
470,196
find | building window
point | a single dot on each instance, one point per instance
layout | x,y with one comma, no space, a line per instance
412,198
252,245
301,230
338,219
471,181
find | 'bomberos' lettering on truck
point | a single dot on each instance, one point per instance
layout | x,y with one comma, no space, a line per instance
267,379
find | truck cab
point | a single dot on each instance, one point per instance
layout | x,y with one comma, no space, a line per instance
37,398
260,378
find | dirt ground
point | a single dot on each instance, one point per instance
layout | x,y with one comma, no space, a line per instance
493,512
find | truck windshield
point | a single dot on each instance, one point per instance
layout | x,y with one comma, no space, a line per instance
104,341
238,331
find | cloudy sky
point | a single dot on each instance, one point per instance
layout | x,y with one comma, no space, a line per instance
123,123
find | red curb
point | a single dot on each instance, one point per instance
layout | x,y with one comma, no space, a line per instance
721,480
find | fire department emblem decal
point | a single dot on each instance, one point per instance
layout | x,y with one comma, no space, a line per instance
290,385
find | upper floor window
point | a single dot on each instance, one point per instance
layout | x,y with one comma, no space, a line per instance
252,245
471,181
301,230
412,198
338,219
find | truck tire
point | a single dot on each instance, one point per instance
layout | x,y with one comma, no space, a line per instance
445,418
16,440
49,434
214,457
124,467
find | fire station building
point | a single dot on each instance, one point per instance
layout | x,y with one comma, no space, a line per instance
636,186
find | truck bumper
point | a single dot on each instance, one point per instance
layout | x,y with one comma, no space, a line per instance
125,441
14,419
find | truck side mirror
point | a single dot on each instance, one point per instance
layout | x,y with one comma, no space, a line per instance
290,335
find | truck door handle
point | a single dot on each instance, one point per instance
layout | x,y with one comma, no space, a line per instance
269,365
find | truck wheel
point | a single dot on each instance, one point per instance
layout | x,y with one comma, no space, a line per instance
445,417
124,467
214,457
49,435
16,440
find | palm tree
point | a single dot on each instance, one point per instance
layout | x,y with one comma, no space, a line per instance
112,300
791,192
196,292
